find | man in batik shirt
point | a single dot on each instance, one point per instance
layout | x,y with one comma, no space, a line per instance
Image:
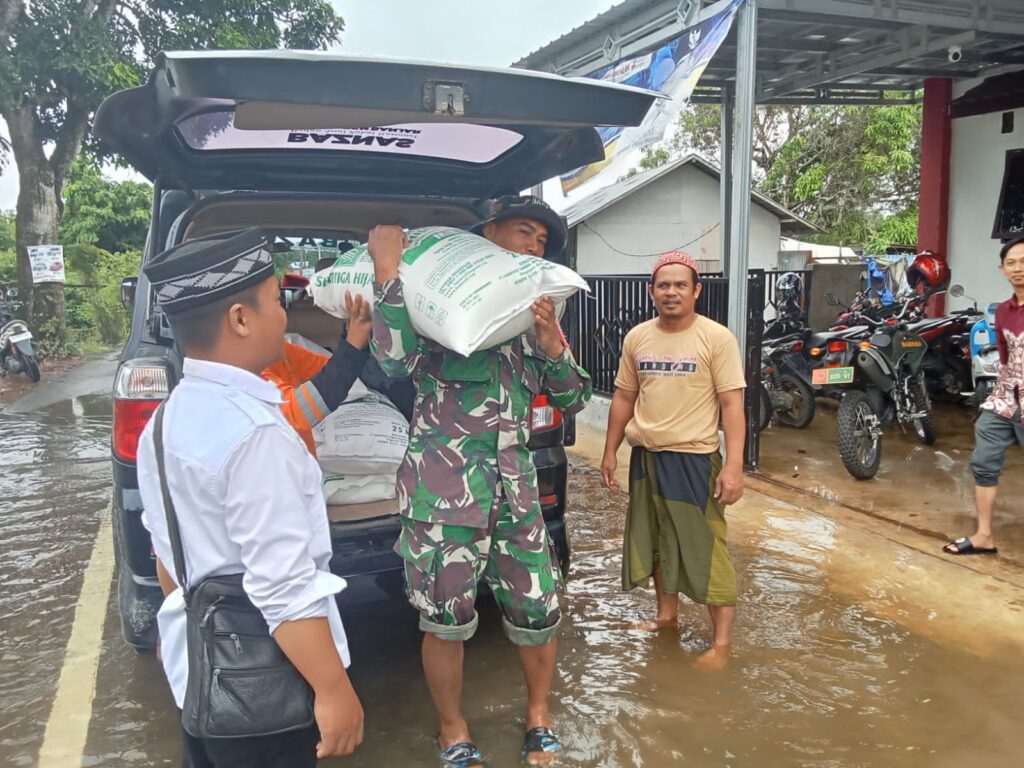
1001,422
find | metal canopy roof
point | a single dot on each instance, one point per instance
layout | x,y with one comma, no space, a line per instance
813,51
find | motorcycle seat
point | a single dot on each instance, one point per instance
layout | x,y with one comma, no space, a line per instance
823,338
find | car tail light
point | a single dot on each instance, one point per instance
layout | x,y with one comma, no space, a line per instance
544,416
139,389
837,346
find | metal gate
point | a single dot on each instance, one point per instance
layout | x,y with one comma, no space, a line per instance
598,324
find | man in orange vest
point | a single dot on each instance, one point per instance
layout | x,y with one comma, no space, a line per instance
313,385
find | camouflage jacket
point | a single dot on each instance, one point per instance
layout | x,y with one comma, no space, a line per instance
471,421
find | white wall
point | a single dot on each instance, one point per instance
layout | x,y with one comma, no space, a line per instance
675,209
976,174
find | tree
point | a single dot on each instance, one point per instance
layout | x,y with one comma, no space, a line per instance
853,171
111,215
59,58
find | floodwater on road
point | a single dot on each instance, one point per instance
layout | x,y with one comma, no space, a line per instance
54,488
817,679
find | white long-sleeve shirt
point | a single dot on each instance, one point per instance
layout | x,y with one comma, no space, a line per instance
248,498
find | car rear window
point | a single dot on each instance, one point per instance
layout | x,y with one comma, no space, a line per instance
466,142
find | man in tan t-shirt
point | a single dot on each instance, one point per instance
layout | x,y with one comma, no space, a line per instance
678,375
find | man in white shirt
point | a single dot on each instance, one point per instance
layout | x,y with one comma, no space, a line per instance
247,494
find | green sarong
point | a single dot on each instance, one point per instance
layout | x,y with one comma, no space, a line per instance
675,522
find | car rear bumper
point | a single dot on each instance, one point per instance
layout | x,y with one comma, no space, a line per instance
363,552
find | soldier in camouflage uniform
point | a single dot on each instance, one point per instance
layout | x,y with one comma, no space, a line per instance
468,487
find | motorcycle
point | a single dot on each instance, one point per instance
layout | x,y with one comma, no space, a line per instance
890,386
785,390
981,348
16,352
947,364
984,358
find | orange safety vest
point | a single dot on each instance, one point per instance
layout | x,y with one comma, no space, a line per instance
302,405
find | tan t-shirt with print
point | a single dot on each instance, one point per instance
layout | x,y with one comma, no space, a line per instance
679,376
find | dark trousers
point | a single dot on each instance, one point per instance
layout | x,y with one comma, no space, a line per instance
295,749
993,435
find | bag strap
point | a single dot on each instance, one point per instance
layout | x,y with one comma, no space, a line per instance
172,516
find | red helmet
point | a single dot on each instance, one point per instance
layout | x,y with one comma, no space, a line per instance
928,272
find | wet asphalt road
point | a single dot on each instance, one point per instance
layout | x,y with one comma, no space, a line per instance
818,678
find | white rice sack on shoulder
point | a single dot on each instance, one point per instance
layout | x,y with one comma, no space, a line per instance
461,290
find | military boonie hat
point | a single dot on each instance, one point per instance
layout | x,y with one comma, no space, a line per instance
203,271
528,207
675,257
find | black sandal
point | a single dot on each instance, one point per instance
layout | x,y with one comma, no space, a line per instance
964,546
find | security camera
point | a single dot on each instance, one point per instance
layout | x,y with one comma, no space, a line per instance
956,53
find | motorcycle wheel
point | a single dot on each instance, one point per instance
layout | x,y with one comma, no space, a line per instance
766,408
982,390
31,368
924,427
803,412
859,448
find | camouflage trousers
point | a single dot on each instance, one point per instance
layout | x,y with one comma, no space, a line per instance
444,564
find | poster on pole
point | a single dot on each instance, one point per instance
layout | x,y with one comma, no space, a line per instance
47,263
673,69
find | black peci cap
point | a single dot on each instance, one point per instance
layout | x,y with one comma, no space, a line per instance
202,271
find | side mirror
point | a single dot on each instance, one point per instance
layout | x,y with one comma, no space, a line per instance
831,300
128,288
956,291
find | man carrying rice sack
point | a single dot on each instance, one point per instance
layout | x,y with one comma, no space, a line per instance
467,488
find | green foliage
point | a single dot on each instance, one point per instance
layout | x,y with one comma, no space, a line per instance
853,171
93,296
7,231
61,57
109,214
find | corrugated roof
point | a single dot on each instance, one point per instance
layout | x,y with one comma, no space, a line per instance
608,196
815,51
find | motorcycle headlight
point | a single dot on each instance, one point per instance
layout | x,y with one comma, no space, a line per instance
990,367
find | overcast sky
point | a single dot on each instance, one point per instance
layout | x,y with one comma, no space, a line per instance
456,31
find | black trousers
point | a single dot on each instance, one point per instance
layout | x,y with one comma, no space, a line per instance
295,749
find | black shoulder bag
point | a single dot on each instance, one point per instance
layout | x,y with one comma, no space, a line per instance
240,682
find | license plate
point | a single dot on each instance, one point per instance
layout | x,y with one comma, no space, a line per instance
822,376
21,337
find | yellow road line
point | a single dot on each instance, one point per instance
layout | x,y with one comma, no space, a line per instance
68,725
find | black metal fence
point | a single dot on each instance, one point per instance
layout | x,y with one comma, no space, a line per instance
598,324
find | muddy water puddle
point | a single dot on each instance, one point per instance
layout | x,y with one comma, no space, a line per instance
54,487
816,680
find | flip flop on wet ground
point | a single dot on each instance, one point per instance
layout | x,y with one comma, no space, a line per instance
964,546
465,754
541,740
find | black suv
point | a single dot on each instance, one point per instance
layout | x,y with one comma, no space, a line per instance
322,147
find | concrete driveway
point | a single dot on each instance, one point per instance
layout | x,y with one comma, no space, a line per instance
925,489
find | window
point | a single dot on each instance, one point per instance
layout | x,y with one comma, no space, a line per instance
1010,212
